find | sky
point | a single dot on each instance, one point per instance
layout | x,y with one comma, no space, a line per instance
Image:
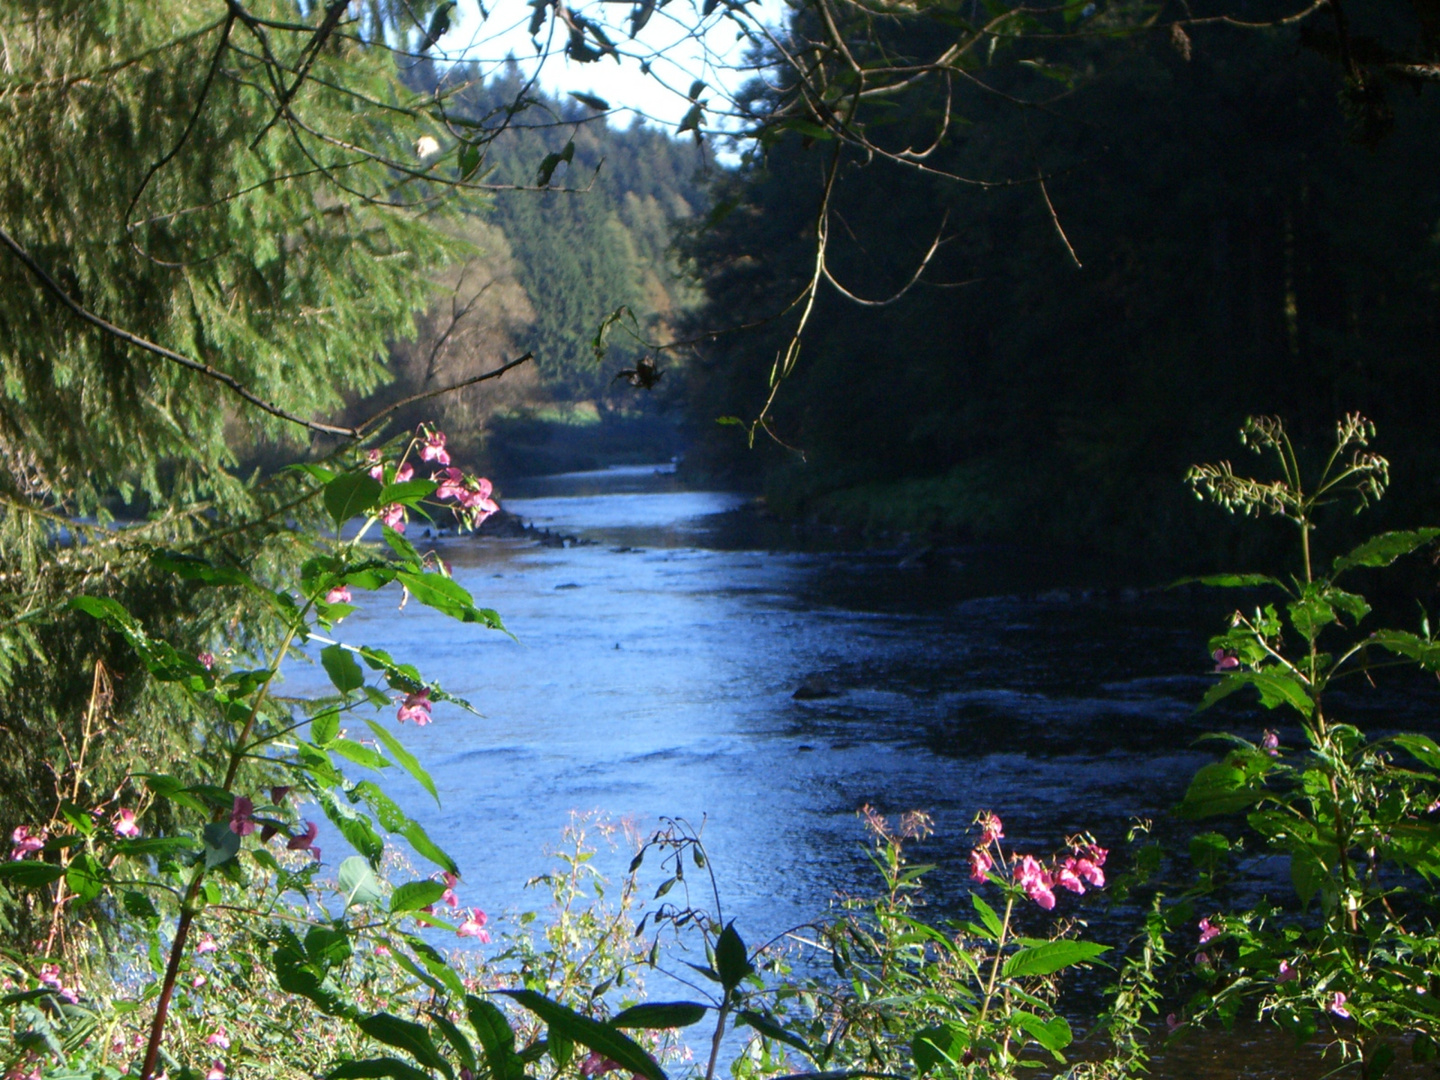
661,96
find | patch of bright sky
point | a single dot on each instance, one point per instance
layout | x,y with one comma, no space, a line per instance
676,59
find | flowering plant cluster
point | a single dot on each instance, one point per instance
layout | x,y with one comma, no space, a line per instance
190,862
1352,955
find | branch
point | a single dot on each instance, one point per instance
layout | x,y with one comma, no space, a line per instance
494,373
161,351
914,278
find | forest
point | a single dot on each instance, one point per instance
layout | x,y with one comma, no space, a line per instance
296,297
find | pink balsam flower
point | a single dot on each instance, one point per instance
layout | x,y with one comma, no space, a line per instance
1337,1005
991,829
219,1037
306,840
1286,973
474,926
206,945
1208,933
26,843
241,821
415,707
124,823
394,516
338,595
980,864
433,448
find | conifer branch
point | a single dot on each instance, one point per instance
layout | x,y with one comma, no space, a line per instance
83,313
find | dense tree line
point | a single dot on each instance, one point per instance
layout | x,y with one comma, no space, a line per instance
1247,242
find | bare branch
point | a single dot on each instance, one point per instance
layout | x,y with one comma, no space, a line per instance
494,373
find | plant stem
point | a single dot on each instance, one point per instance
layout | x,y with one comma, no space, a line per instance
999,948
715,1041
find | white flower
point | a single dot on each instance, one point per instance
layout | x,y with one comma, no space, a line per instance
426,146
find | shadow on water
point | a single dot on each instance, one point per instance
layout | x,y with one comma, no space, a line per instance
692,658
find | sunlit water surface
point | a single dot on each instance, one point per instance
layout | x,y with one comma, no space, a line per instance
654,674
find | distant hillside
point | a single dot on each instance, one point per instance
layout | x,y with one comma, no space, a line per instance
552,266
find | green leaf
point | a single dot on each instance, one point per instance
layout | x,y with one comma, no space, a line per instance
1384,549
661,1014
1307,874
402,547
496,1037
30,873
1233,581
427,848
359,883
359,754
1423,651
602,1038
1275,689
85,877
1225,787
943,1044
354,826
1051,957
351,495
987,916
449,597
732,960
590,101
1421,747
1053,1034
221,845
138,905
551,162
406,491
414,895
339,663
324,727
771,1029
405,1035
375,1068
469,160
456,1039
406,759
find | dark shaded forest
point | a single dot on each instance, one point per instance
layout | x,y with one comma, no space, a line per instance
1249,240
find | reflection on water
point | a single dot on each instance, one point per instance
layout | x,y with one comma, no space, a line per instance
655,674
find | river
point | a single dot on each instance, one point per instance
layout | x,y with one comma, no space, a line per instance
656,671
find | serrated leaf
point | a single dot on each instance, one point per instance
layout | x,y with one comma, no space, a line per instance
361,755
449,597
30,873
1051,957
1384,549
942,1044
324,726
414,895
221,845
732,960
358,882
405,758
1053,1034
602,1038
987,916
355,827
405,1035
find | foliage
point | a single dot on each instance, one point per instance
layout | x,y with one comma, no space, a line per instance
1352,956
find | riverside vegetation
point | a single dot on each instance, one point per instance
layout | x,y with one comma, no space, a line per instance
223,937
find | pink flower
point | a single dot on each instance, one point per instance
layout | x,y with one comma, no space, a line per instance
990,829
597,1064
449,895
1225,660
1067,876
207,659
200,980
1202,959
1036,881
434,448
125,824
476,502
26,843
451,481
241,823
1208,933
305,841
1270,742
50,977
217,1071
415,707
1287,973
219,1037
1090,870
207,945
394,516
980,864
1172,1021
474,926
405,472
278,794
382,950
338,595
1337,1006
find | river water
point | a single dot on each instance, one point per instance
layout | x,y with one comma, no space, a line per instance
655,674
